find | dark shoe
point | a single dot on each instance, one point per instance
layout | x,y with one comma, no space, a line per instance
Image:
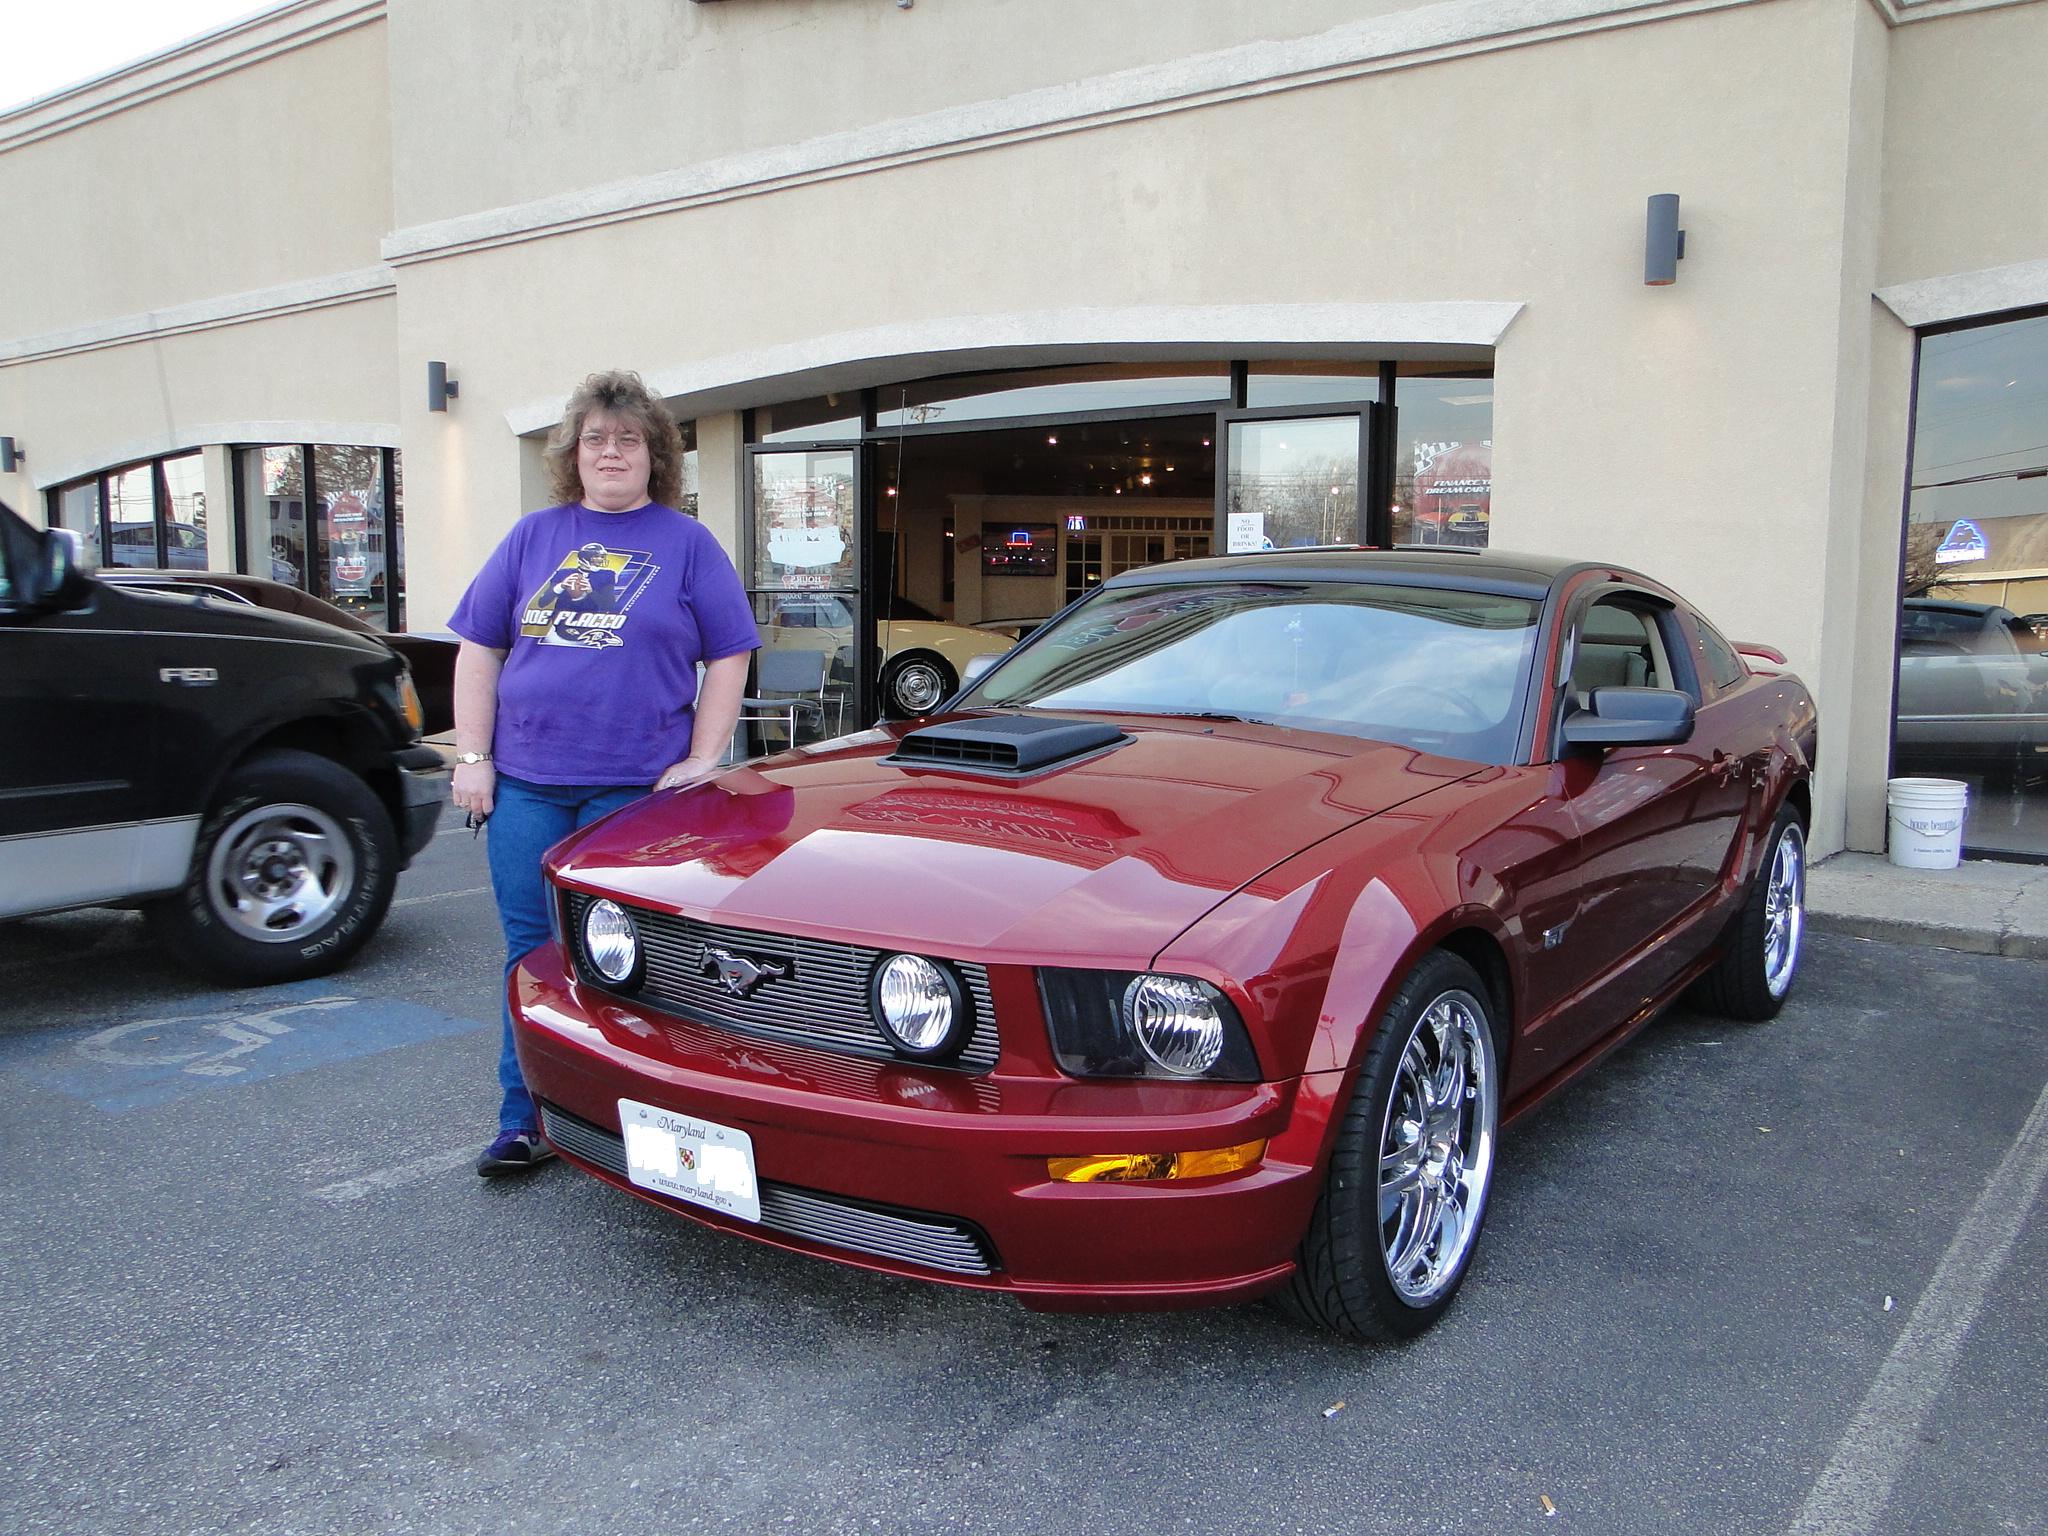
514,1152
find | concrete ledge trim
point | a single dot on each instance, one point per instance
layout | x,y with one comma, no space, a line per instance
1400,40
206,314
223,50
1961,295
959,343
1903,12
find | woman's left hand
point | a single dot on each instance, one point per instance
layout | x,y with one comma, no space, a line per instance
689,771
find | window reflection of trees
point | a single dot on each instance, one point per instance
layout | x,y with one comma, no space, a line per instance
1436,669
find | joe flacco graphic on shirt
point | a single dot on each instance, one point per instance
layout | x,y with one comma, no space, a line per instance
586,600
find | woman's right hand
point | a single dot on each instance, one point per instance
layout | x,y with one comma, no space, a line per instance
474,786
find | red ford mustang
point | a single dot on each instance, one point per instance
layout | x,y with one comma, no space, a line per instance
1201,949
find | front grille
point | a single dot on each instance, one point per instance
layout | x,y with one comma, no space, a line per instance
930,1241
823,1001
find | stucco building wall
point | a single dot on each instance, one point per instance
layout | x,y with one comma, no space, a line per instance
749,202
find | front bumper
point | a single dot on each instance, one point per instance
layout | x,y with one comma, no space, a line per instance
938,1174
422,791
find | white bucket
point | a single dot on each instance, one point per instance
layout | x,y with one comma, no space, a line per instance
1926,822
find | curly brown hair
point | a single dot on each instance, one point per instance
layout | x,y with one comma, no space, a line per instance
623,397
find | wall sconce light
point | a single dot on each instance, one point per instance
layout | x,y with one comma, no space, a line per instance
440,388
10,455
1663,241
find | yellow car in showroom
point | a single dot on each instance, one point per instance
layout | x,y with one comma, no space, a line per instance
923,656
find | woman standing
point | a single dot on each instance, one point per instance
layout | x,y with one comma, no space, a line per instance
576,687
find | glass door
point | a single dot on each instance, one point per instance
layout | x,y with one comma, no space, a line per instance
1289,481
804,568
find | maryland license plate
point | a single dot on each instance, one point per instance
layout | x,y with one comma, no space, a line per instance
690,1159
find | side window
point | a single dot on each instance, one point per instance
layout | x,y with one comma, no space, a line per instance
1618,646
1722,665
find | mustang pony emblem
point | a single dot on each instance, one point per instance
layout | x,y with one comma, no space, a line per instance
739,975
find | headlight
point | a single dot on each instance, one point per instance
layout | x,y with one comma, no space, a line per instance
1176,1022
1142,1024
920,1007
610,941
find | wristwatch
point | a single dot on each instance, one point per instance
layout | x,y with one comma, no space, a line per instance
472,757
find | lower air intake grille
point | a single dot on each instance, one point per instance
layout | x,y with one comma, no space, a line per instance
930,1241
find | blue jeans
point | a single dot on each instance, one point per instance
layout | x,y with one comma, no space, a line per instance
526,821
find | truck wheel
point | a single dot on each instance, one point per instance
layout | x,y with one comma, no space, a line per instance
293,871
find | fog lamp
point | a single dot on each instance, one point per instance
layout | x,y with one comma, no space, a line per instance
610,941
1125,1167
920,1006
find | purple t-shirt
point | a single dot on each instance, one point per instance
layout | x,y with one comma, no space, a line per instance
604,616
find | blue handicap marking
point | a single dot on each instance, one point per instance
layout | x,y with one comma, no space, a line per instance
143,1063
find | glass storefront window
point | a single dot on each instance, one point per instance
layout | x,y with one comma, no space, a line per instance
1292,483
687,501
1297,382
131,517
821,418
185,513
1973,593
804,535
348,490
78,508
1443,475
1107,387
274,487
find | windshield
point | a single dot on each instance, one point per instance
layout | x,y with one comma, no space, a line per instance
1439,670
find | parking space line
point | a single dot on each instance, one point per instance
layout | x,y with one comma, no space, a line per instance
413,901
1852,1489
391,1178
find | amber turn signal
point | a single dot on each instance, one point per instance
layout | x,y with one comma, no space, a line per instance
1123,1167
409,701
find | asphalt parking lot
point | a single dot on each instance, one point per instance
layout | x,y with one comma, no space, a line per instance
1785,1278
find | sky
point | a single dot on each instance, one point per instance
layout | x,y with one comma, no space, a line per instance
59,43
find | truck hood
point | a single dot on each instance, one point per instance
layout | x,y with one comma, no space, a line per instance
1106,860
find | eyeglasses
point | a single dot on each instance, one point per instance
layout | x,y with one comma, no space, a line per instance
625,442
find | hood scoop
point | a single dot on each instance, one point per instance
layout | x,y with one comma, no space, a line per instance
1005,745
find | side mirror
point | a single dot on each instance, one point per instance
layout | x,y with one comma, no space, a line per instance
1631,717
63,566
40,568
978,667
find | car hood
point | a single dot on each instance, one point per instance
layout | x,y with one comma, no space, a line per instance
167,609
1106,860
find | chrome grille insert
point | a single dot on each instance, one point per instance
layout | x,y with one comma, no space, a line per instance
822,1001
922,1238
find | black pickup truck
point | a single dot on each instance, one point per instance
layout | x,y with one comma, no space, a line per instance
253,781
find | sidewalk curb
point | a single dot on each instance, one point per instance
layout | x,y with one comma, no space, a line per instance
1890,930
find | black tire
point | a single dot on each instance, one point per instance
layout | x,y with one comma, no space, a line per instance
915,682
293,871
1345,1277
1760,960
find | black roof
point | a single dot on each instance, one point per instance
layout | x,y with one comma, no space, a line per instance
1484,570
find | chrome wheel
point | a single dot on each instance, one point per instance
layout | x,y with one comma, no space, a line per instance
915,685
279,871
1784,909
1436,1147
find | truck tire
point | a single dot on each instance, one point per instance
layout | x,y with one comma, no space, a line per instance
293,871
